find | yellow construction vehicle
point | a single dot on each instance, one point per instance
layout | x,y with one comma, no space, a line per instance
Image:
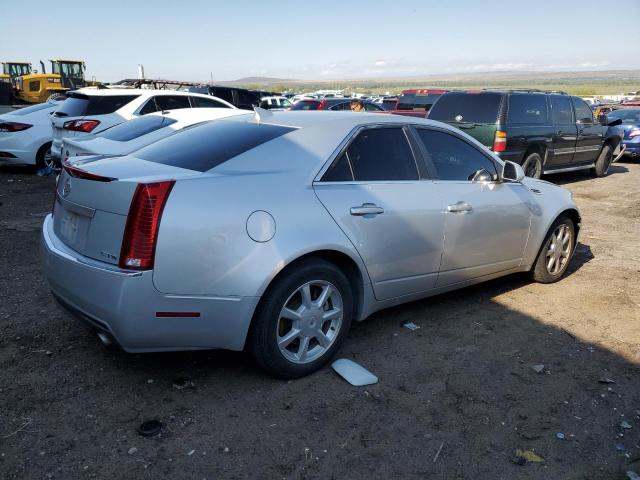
39,87
11,70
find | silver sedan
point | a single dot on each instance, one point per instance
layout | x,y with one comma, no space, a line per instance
274,231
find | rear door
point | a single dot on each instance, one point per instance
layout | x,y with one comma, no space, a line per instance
380,198
590,134
487,221
565,131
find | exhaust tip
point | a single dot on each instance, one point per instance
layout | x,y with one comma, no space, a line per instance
105,339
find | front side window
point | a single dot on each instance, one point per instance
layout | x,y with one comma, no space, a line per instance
378,154
562,111
453,158
172,102
527,108
583,112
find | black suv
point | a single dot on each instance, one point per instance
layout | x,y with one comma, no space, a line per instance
545,132
238,97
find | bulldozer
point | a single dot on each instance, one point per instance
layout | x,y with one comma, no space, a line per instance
40,87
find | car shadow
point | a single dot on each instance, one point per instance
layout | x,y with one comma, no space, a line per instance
581,175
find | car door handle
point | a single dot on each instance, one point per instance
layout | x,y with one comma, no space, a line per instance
366,209
459,207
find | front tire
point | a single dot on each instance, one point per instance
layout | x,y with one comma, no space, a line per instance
556,251
603,162
303,319
532,165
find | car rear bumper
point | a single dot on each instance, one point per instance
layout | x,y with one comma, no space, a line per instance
632,148
125,305
17,148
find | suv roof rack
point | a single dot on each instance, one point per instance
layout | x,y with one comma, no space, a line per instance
528,90
158,84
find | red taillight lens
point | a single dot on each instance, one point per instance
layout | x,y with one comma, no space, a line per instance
141,232
321,105
500,142
13,126
85,126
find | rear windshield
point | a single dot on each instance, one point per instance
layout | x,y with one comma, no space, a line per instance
206,146
467,107
80,105
416,101
126,131
306,105
628,116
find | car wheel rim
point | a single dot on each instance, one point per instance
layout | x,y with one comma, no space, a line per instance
48,159
558,249
309,322
531,168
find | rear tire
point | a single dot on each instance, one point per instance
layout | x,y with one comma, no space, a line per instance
556,252
299,325
603,162
532,165
43,156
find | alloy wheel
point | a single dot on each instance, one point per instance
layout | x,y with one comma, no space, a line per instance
309,321
532,168
558,249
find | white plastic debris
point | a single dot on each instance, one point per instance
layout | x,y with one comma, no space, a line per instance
411,326
353,373
625,424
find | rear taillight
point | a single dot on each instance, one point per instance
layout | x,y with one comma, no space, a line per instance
83,174
321,105
141,232
85,126
14,126
634,133
500,142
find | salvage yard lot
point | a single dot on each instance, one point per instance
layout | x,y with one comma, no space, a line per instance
456,397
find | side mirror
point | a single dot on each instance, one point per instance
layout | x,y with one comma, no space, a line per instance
512,172
614,123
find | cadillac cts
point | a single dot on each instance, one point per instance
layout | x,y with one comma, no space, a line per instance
275,231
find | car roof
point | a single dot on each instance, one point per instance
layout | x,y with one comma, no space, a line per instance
98,92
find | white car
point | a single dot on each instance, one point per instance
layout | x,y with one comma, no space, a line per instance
275,103
91,110
129,136
25,135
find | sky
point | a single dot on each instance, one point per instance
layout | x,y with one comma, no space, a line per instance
329,40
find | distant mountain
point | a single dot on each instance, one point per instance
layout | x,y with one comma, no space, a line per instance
256,81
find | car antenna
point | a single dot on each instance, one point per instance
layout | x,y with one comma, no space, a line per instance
261,113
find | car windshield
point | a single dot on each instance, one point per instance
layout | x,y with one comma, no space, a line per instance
631,115
465,107
136,128
416,101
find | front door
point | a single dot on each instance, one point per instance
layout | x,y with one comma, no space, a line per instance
590,134
565,132
486,221
379,197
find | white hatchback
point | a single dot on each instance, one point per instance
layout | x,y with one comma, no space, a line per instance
131,135
25,135
91,110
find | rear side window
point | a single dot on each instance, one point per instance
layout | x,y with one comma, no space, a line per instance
377,154
200,102
561,110
583,112
483,107
136,128
210,144
172,102
341,106
453,158
527,109
306,105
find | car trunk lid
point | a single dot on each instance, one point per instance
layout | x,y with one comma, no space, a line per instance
93,199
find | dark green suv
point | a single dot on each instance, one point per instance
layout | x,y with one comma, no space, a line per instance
545,132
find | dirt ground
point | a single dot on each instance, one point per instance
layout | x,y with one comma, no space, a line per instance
456,398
